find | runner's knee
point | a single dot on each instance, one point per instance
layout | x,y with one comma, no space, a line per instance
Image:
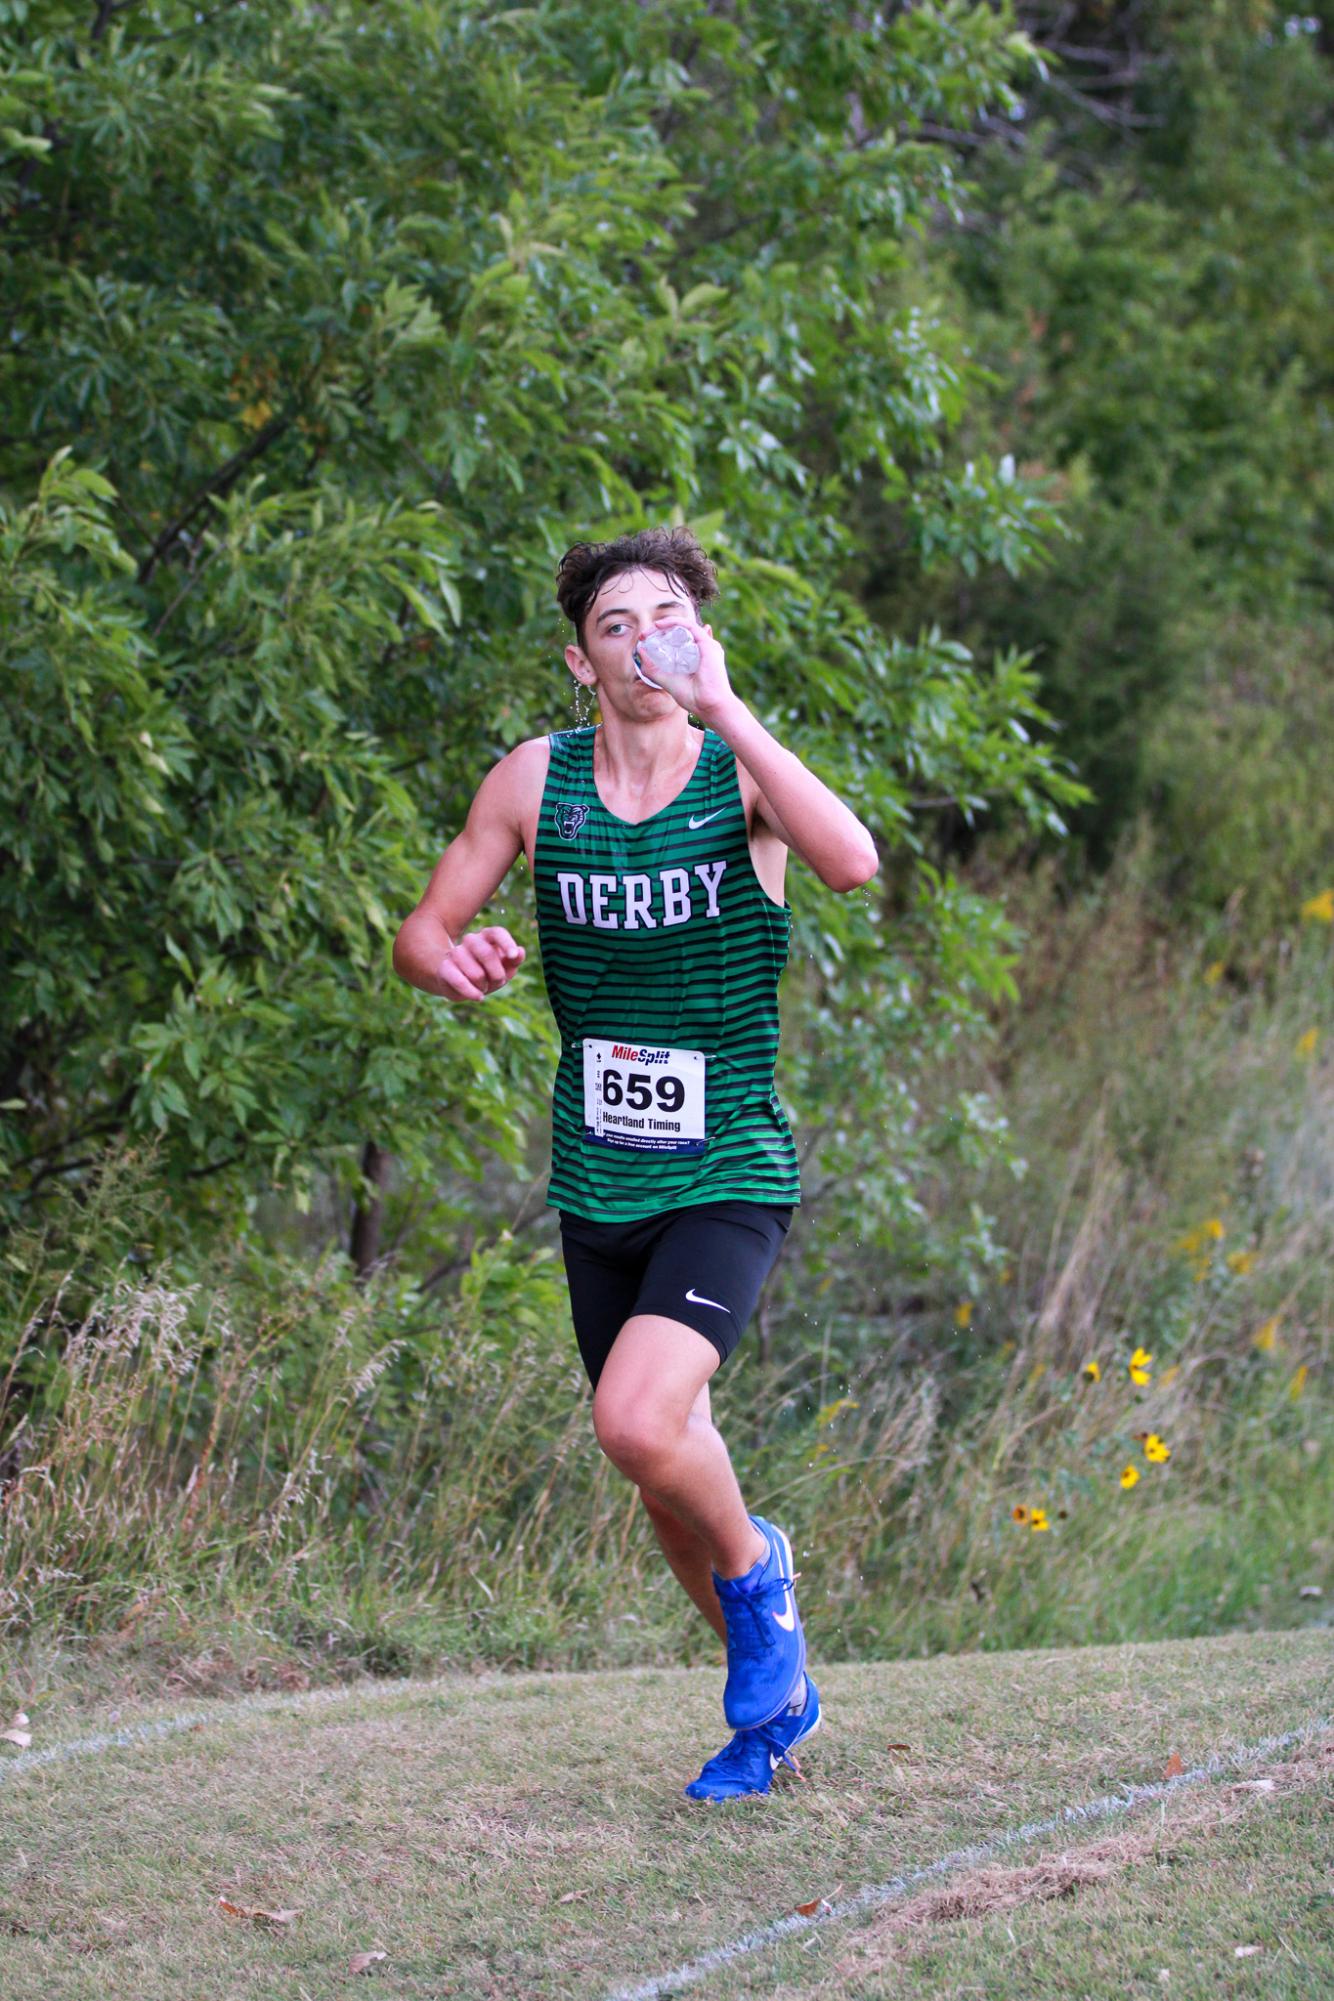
634,1439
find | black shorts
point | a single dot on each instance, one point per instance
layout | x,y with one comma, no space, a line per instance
703,1266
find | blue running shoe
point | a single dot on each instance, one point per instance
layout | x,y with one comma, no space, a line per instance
766,1648
748,1763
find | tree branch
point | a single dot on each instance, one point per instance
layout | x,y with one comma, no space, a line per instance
106,9
191,580
56,1167
224,478
212,1166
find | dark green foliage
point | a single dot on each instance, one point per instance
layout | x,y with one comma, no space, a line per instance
1238,780
327,332
1147,273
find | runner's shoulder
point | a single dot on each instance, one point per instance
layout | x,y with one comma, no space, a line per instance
516,781
528,759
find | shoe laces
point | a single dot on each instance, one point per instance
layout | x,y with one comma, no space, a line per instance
749,1627
749,1619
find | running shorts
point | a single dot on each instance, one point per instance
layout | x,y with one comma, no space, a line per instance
703,1266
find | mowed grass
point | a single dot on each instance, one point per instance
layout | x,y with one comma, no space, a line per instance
527,1836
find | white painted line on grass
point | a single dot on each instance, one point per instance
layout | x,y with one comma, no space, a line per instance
152,1729
871,1897
874,1895
275,1702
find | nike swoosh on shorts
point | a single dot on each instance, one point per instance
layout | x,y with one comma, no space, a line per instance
700,1300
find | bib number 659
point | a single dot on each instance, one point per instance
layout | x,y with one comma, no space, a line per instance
648,1099
639,1090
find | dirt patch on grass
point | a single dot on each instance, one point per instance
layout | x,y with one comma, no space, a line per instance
898,1934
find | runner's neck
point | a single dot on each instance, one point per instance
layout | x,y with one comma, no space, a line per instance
636,762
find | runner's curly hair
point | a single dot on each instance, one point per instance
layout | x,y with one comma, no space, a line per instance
584,569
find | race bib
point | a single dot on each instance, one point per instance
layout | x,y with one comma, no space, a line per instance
646,1098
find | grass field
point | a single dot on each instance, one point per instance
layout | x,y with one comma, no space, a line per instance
527,1836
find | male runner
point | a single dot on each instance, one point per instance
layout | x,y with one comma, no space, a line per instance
658,853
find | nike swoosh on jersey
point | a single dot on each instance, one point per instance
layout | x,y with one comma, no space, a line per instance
700,1300
698,820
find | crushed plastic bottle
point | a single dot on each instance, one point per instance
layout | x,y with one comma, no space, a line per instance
670,651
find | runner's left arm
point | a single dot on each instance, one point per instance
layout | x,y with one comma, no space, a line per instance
792,801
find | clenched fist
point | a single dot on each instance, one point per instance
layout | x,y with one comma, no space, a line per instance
479,964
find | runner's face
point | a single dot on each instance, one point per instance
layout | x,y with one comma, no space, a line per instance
626,607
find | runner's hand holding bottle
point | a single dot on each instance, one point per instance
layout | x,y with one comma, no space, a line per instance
685,661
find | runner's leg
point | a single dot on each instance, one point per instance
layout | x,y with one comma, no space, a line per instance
643,1413
686,1553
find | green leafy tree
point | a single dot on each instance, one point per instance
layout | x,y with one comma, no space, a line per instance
1146,276
328,330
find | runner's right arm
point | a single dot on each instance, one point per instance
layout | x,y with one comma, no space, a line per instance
434,949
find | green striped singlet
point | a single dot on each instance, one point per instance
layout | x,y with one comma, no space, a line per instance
662,956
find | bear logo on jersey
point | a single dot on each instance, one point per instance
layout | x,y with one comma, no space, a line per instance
569,820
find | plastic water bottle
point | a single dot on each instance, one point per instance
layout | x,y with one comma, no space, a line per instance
670,651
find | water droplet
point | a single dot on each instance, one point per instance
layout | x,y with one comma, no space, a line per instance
582,705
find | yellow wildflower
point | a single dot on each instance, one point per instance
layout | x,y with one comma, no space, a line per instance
1129,1475
1213,974
1241,1262
1306,1044
1140,1371
963,1313
1266,1334
1298,1383
1155,1450
1020,1513
1320,909
835,1409
1093,1372
1038,1519
1197,1243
